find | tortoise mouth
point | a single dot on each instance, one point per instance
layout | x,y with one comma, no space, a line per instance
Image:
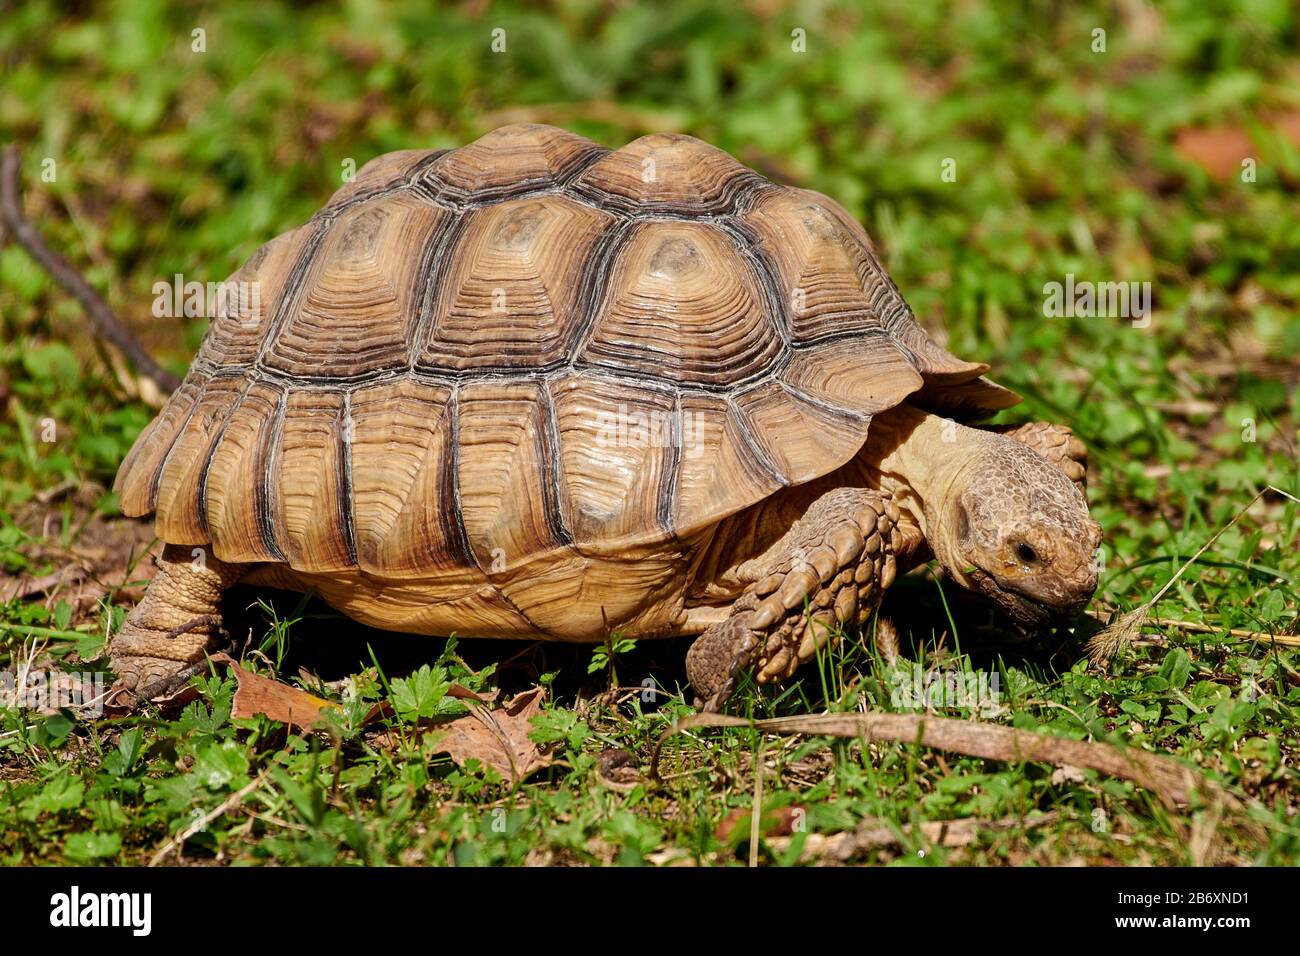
1028,615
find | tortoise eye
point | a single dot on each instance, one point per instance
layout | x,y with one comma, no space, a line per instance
1026,554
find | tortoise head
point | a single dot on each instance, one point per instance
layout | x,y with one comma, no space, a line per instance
1011,526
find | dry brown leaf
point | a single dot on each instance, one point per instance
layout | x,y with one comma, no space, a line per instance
462,692
777,821
261,695
1219,150
24,587
497,738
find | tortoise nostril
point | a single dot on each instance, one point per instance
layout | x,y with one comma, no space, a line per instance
1026,553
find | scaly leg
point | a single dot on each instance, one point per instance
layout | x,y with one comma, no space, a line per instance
833,567
163,640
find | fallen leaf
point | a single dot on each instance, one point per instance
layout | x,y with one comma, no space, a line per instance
777,821
1219,150
464,693
24,587
261,695
497,738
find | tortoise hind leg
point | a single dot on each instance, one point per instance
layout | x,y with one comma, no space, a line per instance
833,567
164,639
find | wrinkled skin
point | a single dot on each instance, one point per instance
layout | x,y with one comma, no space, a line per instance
1004,514
1017,531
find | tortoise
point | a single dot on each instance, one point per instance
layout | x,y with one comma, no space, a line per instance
536,388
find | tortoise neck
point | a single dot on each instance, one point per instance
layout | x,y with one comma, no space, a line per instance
919,457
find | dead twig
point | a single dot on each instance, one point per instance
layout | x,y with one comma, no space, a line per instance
1288,640
1172,782
201,824
1245,634
105,321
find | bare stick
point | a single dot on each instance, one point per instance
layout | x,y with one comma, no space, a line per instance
1196,627
232,801
107,325
1286,640
1168,779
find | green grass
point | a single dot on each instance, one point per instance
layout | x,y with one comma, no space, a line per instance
173,161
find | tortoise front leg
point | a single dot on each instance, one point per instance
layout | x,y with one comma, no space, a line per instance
832,570
163,640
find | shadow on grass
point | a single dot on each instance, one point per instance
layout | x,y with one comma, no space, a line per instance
332,646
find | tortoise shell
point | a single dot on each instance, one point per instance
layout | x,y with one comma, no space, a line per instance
472,357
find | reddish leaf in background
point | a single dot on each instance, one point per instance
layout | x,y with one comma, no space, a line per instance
777,821
1219,150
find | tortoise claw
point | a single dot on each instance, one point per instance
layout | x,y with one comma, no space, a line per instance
718,657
